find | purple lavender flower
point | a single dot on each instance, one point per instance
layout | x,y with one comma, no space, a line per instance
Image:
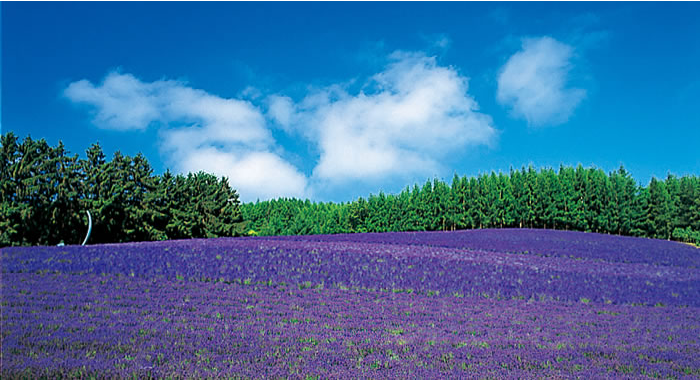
496,303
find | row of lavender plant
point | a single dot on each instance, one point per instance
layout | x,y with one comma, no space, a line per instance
572,244
376,266
59,325
331,307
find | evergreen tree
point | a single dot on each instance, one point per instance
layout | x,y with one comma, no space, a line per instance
45,192
481,203
674,192
579,213
530,188
506,216
641,224
624,192
357,216
454,203
686,196
413,217
441,199
11,208
517,180
424,207
660,207
565,198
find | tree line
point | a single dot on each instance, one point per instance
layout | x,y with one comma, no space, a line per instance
581,199
45,193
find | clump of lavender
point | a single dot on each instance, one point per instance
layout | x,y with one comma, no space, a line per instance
494,303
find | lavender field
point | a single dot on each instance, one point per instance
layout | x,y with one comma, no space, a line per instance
485,303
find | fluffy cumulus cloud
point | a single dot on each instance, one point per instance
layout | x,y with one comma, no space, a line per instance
281,109
533,82
199,131
405,121
407,118
122,102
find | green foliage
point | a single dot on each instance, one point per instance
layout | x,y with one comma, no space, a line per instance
687,235
584,199
45,193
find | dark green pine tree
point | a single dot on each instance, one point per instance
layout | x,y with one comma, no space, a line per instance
413,219
117,218
95,190
104,195
137,183
377,213
441,199
507,216
556,200
530,189
424,207
641,224
13,210
686,196
624,193
180,224
340,219
454,209
660,210
690,198
399,210
358,215
40,179
481,203
579,213
517,180
565,198
67,220
469,202
542,198
501,194
674,192
465,204
33,189
301,222
597,201
216,206
493,201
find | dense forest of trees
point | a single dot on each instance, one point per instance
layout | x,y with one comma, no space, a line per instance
45,192
582,199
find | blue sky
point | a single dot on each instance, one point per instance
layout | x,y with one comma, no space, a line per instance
331,101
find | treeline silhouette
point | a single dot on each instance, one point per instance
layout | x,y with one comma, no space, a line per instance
581,199
45,193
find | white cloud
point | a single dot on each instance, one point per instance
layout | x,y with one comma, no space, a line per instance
533,82
416,114
443,42
122,102
199,131
281,109
255,174
407,119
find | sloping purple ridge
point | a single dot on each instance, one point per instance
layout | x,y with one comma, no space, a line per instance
572,244
335,262
488,303
57,324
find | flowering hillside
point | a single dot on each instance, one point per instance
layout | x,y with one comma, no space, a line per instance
520,303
